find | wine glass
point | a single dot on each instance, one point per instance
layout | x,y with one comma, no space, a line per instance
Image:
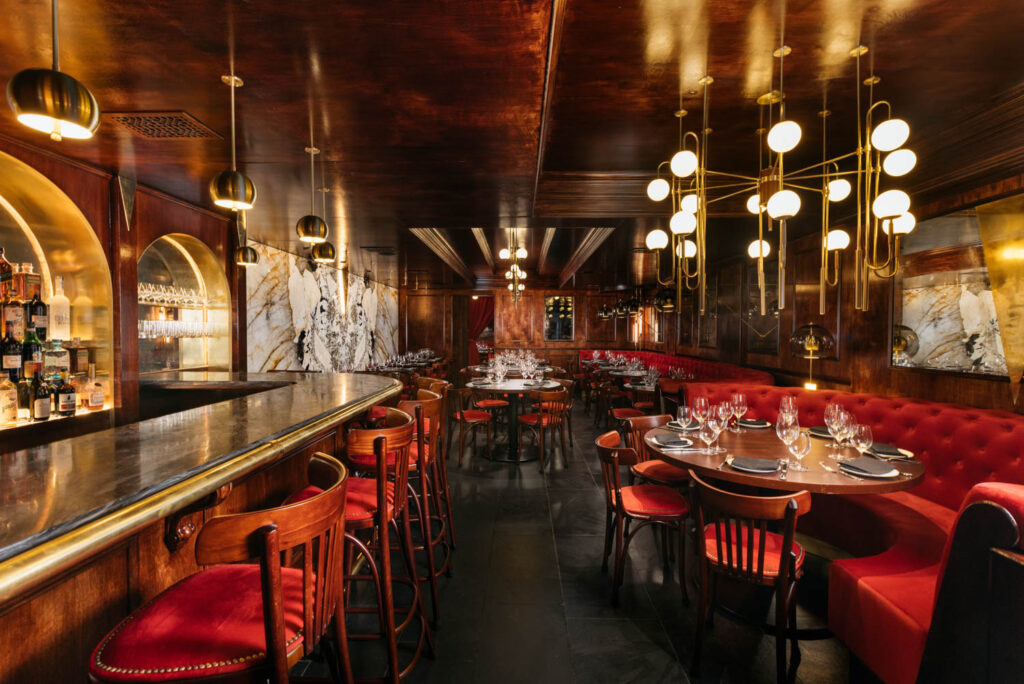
832,422
701,409
724,413
788,429
739,408
717,420
788,405
800,447
707,435
683,415
862,438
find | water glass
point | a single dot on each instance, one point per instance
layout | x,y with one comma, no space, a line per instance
788,406
683,415
862,438
717,422
799,448
707,435
701,409
739,408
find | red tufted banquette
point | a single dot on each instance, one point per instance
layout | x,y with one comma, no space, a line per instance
702,370
881,603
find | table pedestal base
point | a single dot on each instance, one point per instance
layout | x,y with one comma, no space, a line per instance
503,453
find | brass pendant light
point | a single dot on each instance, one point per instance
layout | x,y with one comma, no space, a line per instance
244,254
311,228
323,253
53,102
231,188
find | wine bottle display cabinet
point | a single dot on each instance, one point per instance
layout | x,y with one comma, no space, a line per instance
184,307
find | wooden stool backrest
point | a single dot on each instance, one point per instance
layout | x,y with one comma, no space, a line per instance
317,526
397,436
432,405
638,427
736,516
612,454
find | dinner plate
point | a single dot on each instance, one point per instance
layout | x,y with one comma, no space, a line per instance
757,466
672,441
679,427
894,473
820,431
869,467
760,425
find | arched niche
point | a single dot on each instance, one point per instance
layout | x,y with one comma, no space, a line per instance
184,307
40,225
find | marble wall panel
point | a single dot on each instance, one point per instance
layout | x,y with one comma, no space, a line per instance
320,320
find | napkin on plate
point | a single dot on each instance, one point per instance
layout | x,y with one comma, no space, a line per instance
889,451
755,465
865,465
676,425
754,423
820,431
672,441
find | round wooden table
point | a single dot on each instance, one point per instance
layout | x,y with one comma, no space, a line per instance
514,388
628,373
764,443
515,371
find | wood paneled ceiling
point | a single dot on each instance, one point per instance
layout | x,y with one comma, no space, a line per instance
532,114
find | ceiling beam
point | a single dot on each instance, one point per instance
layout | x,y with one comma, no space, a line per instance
485,246
549,235
586,247
438,242
554,42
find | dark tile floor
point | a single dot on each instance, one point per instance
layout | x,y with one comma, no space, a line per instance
528,603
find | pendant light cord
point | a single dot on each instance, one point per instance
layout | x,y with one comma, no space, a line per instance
232,86
56,40
312,166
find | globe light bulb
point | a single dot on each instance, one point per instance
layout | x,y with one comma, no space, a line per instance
759,248
754,204
901,225
683,163
508,275
783,204
899,162
656,239
890,204
784,136
682,223
687,250
658,189
521,253
504,253
510,286
689,203
521,287
837,239
838,190
890,134
522,275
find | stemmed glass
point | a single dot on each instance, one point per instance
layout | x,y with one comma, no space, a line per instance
707,435
800,447
788,406
683,415
833,418
725,413
718,420
739,408
787,428
701,409
862,438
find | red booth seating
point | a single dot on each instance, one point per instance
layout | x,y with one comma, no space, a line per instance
702,370
881,602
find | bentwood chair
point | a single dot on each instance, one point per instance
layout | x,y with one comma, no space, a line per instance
569,386
469,420
239,620
548,415
735,543
648,467
646,504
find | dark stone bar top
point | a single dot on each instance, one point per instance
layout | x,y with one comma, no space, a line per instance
65,501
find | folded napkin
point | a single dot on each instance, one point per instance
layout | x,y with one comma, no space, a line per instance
820,431
865,465
754,423
666,440
887,450
676,425
755,465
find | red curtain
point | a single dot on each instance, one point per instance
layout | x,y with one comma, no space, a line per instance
481,315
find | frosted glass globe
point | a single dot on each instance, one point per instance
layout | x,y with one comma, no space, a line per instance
658,189
890,204
521,253
689,203
783,204
837,239
510,286
508,275
899,162
657,239
682,223
759,248
838,190
521,287
784,136
754,204
683,163
687,250
902,224
890,134
504,253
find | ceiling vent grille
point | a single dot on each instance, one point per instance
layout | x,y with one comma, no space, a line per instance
163,125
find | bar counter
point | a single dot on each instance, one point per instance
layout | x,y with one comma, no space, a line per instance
64,503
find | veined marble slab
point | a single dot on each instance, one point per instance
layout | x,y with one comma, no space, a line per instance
322,320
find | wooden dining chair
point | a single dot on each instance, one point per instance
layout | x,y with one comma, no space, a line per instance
649,467
548,415
237,620
468,419
570,387
646,504
736,543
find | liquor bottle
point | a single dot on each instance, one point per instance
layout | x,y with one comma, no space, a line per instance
32,282
8,401
10,348
66,398
56,360
35,313
60,313
6,275
82,316
31,347
25,392
14,312
41,398
94,395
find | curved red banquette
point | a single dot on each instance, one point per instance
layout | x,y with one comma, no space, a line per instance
702,370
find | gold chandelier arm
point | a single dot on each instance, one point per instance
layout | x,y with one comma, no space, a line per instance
817,165
657,270
731,175
741,191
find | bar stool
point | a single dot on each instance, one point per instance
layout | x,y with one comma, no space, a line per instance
647,467
648,504
427,407
735,543
375,505
549,413
468,419
244,621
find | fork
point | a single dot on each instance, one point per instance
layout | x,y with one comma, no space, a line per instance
727,461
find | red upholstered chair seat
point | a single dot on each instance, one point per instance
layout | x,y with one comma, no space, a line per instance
472,416
643,405
623,413
491,403
653,500
360,498
772,549
206,625
535,418
378,412
660,472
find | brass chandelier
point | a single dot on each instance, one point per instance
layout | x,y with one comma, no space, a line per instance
515,273
883,215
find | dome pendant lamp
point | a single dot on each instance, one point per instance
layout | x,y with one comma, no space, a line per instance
244,254
311,229
53,102
231,188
